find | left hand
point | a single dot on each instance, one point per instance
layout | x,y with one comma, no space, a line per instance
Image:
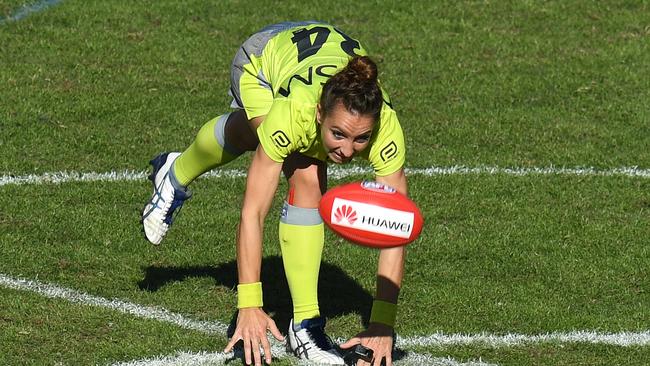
379,338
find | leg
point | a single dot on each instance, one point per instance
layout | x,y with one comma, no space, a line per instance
218,142
302,232
301,239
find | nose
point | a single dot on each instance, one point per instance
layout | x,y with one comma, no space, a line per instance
347,149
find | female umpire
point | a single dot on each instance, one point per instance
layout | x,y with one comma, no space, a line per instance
304,94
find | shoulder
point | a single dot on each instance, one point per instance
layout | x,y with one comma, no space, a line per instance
289,126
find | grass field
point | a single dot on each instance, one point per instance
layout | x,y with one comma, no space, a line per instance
532,269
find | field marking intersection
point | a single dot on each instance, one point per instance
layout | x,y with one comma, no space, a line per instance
336,172
622,339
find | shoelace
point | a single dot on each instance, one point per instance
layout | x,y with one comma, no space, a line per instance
177,202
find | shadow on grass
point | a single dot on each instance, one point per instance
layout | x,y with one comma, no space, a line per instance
338,293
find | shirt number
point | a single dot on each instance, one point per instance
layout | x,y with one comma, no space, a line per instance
306,47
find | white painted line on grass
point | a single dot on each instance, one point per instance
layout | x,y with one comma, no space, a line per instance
624,339
28,9
181,359
163,315
69,177
552,170
334,172
140,311
205,359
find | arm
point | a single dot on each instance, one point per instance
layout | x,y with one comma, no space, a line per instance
390,270
253,322
391,261
261,184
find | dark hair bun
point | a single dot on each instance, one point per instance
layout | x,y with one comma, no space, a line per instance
356,86
362,69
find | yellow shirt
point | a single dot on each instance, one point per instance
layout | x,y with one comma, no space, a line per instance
297,62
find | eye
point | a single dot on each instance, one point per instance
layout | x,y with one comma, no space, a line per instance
338,134
362,139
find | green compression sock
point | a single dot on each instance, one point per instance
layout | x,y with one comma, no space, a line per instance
208,151
302,237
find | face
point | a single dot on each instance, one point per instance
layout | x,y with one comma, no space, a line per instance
344,134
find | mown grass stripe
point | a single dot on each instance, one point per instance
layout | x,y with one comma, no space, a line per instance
334,172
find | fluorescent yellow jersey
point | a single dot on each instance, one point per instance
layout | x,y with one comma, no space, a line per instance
284,80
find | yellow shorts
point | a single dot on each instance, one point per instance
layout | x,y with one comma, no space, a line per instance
249,88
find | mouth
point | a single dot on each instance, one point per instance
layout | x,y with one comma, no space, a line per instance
338,158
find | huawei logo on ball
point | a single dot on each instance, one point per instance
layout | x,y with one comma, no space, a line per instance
345,212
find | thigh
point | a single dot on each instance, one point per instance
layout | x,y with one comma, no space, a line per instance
307,179
241,132
250,93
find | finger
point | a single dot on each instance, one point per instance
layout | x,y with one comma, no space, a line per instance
389,360
235,338
267,350
256,352
247,350
351,343
376,361
378,355
275,331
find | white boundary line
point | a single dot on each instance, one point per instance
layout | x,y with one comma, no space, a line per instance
163,315
334,172
139,311
204,359
623,339
27,10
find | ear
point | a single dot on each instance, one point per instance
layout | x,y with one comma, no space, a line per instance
318,114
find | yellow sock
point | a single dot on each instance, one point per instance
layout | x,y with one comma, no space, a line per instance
302,236
208,151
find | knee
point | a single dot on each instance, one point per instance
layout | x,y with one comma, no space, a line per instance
240,132
306,188
207,136
306,180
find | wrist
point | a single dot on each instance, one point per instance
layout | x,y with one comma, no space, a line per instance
383,312
249,295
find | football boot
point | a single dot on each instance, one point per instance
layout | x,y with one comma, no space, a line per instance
308,341
165,202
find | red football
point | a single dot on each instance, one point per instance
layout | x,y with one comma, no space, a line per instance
371,214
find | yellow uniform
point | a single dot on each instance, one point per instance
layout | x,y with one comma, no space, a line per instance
279,72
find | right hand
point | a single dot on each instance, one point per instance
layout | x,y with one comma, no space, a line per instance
252,324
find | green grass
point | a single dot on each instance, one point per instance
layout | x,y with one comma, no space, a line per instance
505,83
528,255
38,331
103,86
